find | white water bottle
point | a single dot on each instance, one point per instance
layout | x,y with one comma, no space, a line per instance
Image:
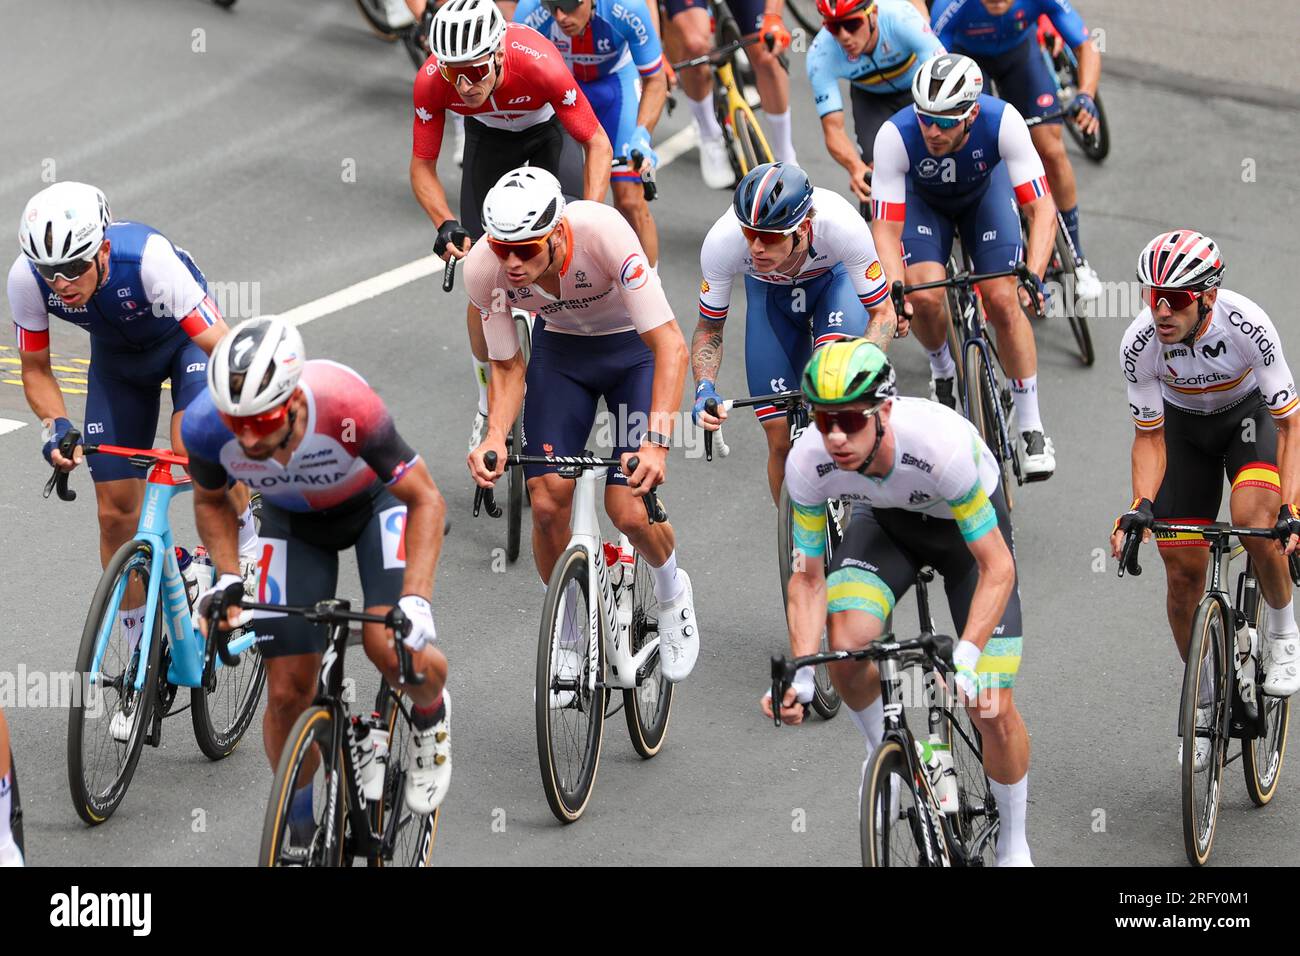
1247,647
627,564
202,567
937,758
185,564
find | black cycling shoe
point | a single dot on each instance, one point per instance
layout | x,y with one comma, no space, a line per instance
941,391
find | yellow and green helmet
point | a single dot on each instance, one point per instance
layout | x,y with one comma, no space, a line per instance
851,370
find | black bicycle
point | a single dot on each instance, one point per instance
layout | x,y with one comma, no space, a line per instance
986,400
384,832
1222,680
826,699
902,818
1064,67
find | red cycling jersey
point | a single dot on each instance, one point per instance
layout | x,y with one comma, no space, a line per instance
535,85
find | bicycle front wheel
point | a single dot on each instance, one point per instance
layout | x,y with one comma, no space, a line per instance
1202,726
647,706
569,691
222,715
109,719
894,817
515,475
407,838
1078,322
976,821
982,409
751,147
1261,756
284,842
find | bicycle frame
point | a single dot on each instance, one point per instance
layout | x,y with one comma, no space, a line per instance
166,590
627,671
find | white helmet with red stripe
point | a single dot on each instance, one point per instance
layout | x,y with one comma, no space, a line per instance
64,222
1181,259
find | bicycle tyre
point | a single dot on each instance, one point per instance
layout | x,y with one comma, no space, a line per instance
216,740
1097,146
647,726
414,833
567,789
1078,321
515,476
1201,814
888,772
314,726
16,807
976,820
96,807
809,25
981,410
752,148
379,25
826,699
1261,757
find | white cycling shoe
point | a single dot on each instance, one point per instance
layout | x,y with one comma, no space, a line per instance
1087,284
10,855
428,763
121,724
715,167
1203,717
1037,455
679,634
477,430
1282,664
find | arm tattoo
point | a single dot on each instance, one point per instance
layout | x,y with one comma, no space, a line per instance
880,331
706,350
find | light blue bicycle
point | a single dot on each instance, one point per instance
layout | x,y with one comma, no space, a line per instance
124,690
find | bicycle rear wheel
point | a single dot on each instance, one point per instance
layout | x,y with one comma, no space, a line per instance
1261,756
515,475
407,836
1064,262
376,18
648,706
222,716
982,409
976,820
895,825
809,24
569,706
826,699
100,765
309,741
1205,682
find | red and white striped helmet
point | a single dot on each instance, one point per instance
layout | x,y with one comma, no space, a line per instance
1181,259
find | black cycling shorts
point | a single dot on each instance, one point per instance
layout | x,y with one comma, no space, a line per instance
490,153
878,560
1238,442
300,563
870,111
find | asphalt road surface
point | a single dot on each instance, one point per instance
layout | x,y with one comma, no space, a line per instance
272,142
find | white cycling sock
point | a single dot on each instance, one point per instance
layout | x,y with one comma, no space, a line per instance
705,120
1280,620
871,721
1024,392
941,363
1012,799
132,621
481,380
782,144
668,584
247,535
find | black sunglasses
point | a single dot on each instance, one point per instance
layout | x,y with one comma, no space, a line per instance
568,6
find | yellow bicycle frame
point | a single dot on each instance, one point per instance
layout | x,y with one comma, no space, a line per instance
735,102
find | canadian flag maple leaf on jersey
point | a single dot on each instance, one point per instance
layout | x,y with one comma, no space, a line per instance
570,97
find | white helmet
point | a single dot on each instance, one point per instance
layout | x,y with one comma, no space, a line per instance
947,82
465,30
63,222
256,366
526,203
1181,259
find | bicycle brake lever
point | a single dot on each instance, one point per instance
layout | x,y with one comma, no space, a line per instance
449,274
710,406
1128,555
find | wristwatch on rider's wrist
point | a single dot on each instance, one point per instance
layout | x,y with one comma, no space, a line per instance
657,438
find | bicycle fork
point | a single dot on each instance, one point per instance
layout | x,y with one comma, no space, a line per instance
930,816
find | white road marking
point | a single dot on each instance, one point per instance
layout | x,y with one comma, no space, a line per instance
8,425
670,149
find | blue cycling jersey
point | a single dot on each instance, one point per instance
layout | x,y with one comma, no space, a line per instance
966,26
905,42
151,286
620,32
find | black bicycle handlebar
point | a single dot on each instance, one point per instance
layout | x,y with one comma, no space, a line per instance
59,478
1128,555
649,188
965,279
449,274
787,401
569,466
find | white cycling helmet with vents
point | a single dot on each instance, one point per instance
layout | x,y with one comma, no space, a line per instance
466,30
64,222
256,366
526,203
1181,259
947,82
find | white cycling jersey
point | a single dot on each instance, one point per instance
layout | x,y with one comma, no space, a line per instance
941,468
1237,352
839,235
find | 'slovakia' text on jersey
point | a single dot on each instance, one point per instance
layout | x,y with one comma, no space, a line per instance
534,85
151,287
839,235
941,468
1237,352
905,42
619,32
350,441
998,134
606,284
966,26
